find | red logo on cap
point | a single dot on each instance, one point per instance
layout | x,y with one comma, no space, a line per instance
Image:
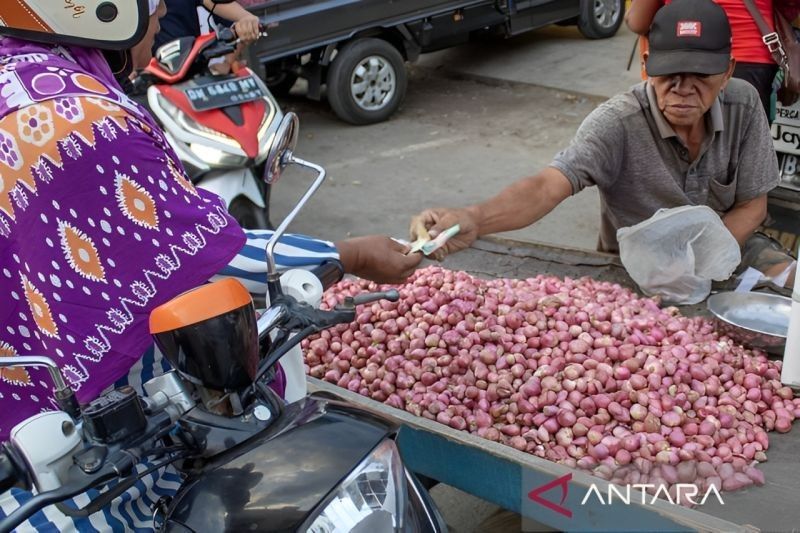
689,28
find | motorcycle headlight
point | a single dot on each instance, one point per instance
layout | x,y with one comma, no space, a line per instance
372,498
187,123
217,158
203,148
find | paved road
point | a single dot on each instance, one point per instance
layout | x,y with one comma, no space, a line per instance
468,127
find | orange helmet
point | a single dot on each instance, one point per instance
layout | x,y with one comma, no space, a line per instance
105,24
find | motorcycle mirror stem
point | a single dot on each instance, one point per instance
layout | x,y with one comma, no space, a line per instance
273,276
280,156
64,395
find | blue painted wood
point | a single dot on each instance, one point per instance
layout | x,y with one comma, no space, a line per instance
507,484
504,476
463,467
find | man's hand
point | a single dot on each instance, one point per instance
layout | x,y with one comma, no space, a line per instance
377,258
745,217
246,28
245,24
431,222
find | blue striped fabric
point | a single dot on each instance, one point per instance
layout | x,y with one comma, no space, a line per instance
132,511
292,251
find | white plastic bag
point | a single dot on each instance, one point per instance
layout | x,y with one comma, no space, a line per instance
677,252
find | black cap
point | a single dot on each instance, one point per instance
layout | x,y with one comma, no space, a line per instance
692,36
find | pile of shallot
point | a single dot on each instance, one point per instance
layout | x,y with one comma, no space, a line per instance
578,371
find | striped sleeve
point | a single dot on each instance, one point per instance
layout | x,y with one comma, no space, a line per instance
292,251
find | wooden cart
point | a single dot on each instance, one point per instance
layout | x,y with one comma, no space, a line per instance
506,477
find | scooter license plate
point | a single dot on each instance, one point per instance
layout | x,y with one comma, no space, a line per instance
224,93
790,171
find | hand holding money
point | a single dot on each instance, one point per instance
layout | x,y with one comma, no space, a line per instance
458,228
377,258
428,246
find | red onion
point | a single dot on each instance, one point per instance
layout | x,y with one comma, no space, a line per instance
566,418
756,475
671,419
598,451
580,429
614,374
564,437
707,427
638,412
736,482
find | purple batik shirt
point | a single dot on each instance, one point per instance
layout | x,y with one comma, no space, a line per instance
98,225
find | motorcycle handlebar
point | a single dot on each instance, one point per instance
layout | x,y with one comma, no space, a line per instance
43,499
392,295
228,35
329,272
306,321
118,465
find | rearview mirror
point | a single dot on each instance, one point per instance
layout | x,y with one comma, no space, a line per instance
283,145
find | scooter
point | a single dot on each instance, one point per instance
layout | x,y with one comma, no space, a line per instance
221,126
249,462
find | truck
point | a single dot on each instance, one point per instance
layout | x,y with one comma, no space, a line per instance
357,49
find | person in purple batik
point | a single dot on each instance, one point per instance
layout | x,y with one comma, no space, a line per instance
98,222
99,225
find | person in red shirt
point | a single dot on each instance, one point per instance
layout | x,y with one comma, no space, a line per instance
754,62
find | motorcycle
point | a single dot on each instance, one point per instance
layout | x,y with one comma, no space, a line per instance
249,461
221,126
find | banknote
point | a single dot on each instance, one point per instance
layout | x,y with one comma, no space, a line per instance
428,246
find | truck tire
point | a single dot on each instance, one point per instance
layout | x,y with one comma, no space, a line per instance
367,81
600,19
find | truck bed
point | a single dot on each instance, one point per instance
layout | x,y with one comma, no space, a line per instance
504,476
295,26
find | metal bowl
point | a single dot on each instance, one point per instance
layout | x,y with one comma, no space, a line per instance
755,319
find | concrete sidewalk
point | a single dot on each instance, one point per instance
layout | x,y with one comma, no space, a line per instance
557,57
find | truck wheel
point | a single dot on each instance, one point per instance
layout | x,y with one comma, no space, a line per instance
600,18
248,214
367,81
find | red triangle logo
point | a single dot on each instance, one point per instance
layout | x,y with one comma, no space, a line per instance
563,482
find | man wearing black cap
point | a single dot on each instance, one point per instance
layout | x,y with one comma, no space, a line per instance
689,135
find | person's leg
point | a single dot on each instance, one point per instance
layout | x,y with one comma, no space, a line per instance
760,76
768,256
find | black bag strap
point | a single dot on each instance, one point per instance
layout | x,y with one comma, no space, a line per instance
770,37
763,27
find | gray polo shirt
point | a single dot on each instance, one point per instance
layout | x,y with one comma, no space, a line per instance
630,152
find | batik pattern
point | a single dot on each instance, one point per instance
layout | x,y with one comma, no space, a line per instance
98,225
